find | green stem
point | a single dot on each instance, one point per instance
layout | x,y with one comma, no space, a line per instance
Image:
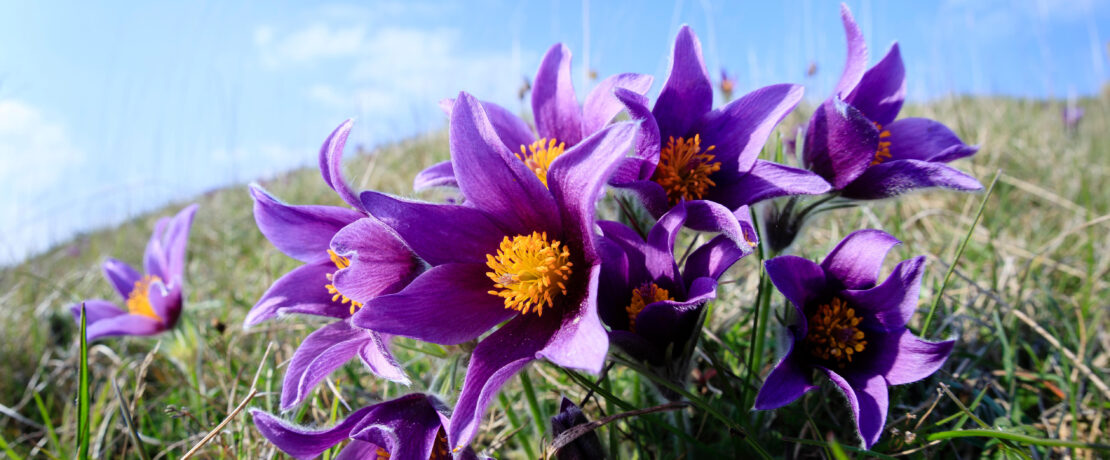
538,420
83,392
515,422
1020,438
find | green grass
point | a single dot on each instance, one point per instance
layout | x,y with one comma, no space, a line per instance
1026,301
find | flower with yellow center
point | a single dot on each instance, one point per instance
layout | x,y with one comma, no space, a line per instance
138,301
883,152
834,332
539,155
684,169
340,263
642,296
529,271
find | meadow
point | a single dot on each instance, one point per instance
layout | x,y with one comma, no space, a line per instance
1026,301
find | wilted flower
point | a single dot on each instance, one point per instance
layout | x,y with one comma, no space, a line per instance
349,259
153,299
561,123
690,152
854,142
655,311
522,249
585,447
411,427
851,328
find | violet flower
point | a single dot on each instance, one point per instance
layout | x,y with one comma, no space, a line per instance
349,259
851,328
653,310
153,299
690,152
854,142
585,447
520,251
561,123
411,427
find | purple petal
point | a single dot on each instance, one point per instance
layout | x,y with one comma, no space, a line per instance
123,325
553,101
492,178
707,216
513,131
448,304
688,94
882,89
712,259
740,129
577,179
95,310
437,175
301,291
799,280
122,276
768,180
640,165
176,238
580,342
840,143
154,257
856,62
893,178
358,450
406,428
659,251
907,358
869,401
321,353
438,233
855,261
331,164
602,104
893,302
650,194
165,301
673,322
926,140
375,355
304,443
495,360
301,232
615,277
788,381
379,262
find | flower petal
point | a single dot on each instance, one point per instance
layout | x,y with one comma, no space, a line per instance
856,62
121,275
907,358
321,353
513,131
553,101
840,143
580,342
641,164
165,301
893,302
379,262
616,277
926,140
492,178
869,401
405,427
882,89
799,280
659,250
437,175
670,322
375,355
358,450
602,105
768,180
855,262
578,177
651,194
154,257
708,216
740,129
301,232
301,291
894,178
176,238
331,164
95,310
304,443
123,325
788,381
688,94
448,304
465,234
712,259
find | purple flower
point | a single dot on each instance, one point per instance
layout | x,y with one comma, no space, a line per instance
586,446
153,299
708,157
561,123
349,259
851,328
521,250
854,142
653,310
411,427
1071,115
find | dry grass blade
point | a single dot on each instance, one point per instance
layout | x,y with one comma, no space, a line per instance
576,431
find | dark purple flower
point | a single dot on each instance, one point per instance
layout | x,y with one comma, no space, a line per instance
521,250
653,310
851,328
152,299
561,123
411,427
708,157
854,142
585,447
1071,115
349,259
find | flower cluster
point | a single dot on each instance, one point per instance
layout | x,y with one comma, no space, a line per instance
520,266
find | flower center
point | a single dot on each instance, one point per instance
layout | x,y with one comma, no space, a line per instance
138,301
439,449
539,155
641,297
883,152
684,169
834,332
340,263
528,271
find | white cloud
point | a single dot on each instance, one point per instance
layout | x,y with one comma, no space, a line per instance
317,41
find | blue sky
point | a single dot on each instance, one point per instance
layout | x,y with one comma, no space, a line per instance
110,110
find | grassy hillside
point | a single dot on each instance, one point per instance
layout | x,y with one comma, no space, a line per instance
1027,303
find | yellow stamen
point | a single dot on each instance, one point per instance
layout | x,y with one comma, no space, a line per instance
684,169
528,271
138,301
642,296
834,332
883,152
340,263
382,454
539,155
